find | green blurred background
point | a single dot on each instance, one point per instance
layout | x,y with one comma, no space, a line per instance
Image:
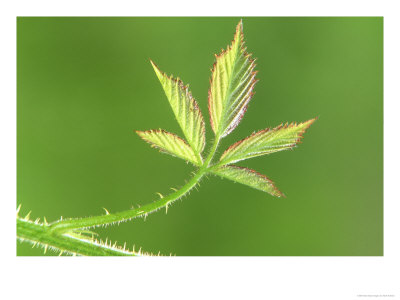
85,85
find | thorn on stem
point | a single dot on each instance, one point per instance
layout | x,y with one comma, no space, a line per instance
18,209
27,216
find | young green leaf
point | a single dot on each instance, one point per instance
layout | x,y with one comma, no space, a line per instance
232,84
266,141
186,110
169,143
248,177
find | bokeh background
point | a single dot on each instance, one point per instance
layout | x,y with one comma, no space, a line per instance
85,84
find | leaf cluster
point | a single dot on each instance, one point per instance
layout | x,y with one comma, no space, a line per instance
232,83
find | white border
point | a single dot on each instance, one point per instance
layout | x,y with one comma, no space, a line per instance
198,278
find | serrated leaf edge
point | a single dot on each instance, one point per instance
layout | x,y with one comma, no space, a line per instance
140,132
277,192
185,88
281,126
236,120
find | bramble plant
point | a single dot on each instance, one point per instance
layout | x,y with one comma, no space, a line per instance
232,83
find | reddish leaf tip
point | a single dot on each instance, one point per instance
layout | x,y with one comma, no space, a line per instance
153,63
240,25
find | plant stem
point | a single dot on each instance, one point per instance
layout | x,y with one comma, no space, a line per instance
63,226
70,224
212,152
41,234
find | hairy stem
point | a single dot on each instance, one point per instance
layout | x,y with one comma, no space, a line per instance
70,224
40,234
212,152
67,225
60,235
